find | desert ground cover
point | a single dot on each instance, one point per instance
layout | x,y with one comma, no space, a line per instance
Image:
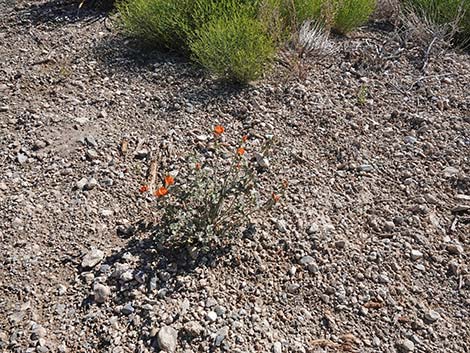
367,251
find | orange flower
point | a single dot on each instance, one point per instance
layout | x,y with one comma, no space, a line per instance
162,191
144,188
240,151
276,198
198,166
219,129
169,180
245,138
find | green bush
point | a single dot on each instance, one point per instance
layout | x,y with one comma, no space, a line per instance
349,14
162,23
443,12
235,48
234,39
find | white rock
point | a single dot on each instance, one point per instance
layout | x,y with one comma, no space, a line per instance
92,258
101,292
80,185
450,172
167,339
91,184
262,161
281,226
416,255
277,347
432,316
211,316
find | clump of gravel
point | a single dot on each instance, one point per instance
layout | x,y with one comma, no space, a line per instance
369,250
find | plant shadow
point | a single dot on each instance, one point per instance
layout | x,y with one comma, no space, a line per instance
121,55
153,270
64,12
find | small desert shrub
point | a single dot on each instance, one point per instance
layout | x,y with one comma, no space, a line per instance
455,14
213,199
163,23
235,48
234,39
349,14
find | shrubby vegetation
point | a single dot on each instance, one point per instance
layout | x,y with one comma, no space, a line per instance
455,13
234,39
212,199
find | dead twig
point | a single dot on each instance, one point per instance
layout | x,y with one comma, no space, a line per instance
152,175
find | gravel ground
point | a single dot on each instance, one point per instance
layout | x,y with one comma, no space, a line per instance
368,252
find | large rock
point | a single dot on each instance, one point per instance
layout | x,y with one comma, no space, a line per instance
101,292
92,258
167,339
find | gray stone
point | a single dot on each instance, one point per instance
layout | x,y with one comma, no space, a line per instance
220,336
450,172
127,309
81,120
454,249
142,154
262,161
431,316
92,258
281,226
61,289
406,346
38,332
340,244
314,228
293,288
92,155
307,260
167,339
91,184
91,141
210,302
366,168
101,292
410,139
389,226
193,328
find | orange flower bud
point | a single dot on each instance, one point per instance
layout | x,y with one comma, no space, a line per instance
245,138
219,129
169,180
144,188
162,191
240,151
198,166
276,198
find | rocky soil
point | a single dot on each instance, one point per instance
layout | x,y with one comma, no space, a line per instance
368,252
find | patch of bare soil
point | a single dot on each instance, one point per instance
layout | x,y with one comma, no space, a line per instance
368,252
